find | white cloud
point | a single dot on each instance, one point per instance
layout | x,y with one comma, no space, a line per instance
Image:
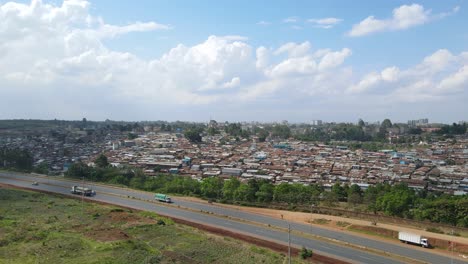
262,57
55,62
390,74
263,23
60,51
333,59
403,17
235,82
293,49
294,66
326,23
438,76
455,82
292,19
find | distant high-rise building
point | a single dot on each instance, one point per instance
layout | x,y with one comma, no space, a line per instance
316,122
419,122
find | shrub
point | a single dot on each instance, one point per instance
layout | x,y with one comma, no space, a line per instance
434,230
305,253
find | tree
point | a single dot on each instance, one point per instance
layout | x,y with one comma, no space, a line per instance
339,191
397,201
212,131
193,135
262,135
386,123
42,168
101,161
242,193
330,199
131,136
212,187
354,194
265,192
281,131
230,187
361,123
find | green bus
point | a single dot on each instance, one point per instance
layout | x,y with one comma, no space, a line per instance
162,198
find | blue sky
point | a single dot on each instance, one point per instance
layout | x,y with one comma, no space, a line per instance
235,60
193,21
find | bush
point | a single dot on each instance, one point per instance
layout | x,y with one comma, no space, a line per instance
434,230
305,253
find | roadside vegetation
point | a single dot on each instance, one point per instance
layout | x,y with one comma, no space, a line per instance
42,228
382,199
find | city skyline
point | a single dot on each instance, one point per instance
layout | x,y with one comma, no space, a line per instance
241,61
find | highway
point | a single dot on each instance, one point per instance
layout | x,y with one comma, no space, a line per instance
251,224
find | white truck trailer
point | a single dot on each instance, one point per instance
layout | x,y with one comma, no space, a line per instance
413,239
82,191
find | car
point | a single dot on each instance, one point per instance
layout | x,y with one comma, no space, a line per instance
35,183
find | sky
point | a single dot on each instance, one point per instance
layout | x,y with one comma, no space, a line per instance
336,61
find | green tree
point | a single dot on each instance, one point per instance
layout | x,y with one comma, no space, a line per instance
339,191
354,194
193,135
42,168
361,123
262,135
101,161
212,131
230,187
281,131
212,187
386,123
265,192
397,201
242,193
131,135
330,199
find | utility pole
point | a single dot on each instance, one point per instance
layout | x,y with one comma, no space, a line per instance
289,243
451,258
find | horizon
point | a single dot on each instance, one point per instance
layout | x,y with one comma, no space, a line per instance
324,122
260,61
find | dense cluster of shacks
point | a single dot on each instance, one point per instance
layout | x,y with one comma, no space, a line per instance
440,166
60,148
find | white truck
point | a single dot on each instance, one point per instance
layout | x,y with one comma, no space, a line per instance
82,191
413,239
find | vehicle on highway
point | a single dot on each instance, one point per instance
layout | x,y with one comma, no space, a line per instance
82,191
413,239
162,198
35,183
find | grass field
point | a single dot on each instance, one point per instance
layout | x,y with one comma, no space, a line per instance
43,228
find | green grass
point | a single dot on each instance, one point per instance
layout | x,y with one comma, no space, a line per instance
42,228
342,224
321,221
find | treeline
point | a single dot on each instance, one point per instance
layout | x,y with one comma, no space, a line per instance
17,159
397,200
453,129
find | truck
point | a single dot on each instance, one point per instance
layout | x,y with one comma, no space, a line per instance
413,239
82,191
162,198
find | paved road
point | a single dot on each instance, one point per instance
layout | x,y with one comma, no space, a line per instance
104,194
